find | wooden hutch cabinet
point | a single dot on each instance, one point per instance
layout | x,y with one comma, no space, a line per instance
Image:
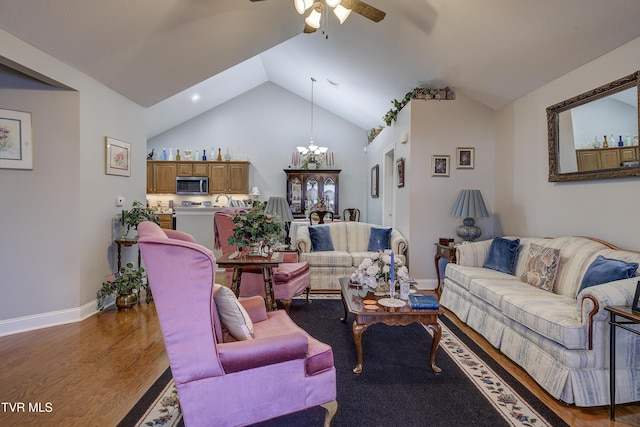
306,186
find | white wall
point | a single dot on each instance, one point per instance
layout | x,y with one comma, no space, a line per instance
422,207
529,205
57,243
264,126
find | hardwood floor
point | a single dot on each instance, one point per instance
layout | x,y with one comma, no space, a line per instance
92,373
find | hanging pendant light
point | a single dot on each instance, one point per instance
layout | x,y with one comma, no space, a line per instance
312,148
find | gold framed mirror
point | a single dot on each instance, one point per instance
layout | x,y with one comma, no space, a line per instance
578,128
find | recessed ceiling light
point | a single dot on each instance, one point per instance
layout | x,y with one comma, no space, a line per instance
332,83
195,97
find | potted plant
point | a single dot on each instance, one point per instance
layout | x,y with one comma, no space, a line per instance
125,287
254,228
137,214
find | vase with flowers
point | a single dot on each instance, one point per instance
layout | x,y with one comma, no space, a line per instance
254,229
376,271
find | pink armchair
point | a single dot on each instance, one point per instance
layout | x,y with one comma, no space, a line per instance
290,279
280,370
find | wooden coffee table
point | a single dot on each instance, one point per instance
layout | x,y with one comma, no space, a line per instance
352,299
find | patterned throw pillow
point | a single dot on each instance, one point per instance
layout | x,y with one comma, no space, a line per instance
232,314
541,267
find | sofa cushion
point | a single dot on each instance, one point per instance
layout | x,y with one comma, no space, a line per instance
288,270
327,258
380,239
604,270
541,267
320,239
503,255
232,314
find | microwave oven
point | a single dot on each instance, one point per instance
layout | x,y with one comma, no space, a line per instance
192,185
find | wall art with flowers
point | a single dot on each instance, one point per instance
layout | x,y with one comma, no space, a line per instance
118,157
16,148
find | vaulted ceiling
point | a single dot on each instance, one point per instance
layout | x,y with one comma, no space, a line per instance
159,53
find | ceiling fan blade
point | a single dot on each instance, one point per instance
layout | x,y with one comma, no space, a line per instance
361,8
308,29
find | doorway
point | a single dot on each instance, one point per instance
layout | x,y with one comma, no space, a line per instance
389,189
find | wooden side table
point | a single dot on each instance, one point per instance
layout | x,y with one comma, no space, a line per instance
447,252
631,318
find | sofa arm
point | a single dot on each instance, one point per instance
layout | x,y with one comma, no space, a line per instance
303,239
473,254
242,355
592,301
398,242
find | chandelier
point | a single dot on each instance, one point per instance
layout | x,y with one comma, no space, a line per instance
317,7
312,153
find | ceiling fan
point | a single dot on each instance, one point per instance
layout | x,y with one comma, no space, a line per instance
341,9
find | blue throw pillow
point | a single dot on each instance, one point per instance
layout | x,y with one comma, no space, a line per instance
380,238
320,239
503,255
604,270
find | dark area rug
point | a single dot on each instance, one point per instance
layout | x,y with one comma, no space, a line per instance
396,386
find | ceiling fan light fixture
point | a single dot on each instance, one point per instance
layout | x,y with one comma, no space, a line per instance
333,3
342,13
302,5
313,20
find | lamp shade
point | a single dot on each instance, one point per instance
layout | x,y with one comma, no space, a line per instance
280,207
470,205
255,191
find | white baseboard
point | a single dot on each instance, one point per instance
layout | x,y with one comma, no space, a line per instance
46,320
426,284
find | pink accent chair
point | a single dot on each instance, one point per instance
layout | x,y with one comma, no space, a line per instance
281,370
290,279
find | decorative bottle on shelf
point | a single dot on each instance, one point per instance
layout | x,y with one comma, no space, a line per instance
605,144
178,155
620,142
164,154
219,154
212,155
197,157
227,156
204,155
170,153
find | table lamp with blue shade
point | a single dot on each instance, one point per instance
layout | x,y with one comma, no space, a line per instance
469,205
280,207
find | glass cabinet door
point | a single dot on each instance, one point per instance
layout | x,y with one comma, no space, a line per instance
311,195
329,193
295,190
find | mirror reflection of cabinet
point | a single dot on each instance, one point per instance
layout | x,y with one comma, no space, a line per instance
305,187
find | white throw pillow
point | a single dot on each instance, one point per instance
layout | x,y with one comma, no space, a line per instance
232,314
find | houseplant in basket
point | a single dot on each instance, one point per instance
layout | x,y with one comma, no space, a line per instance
254,228
124,287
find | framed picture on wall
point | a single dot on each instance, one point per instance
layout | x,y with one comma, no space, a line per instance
118,157
400,167
465,157
375,181
16,149
440,164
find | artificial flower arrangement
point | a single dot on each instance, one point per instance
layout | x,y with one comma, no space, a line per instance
378,269
312,157
254,227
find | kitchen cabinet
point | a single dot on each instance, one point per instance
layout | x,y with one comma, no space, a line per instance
193,168
161,177
166,221
605,158
229,177
306,186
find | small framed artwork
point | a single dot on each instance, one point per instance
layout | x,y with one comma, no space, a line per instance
440,165
400,167
375,181
16,144
118,157
635,305
465,157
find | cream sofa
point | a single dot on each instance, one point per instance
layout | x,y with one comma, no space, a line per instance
561,338
350,243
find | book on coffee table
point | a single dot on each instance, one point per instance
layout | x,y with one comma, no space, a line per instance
429,302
